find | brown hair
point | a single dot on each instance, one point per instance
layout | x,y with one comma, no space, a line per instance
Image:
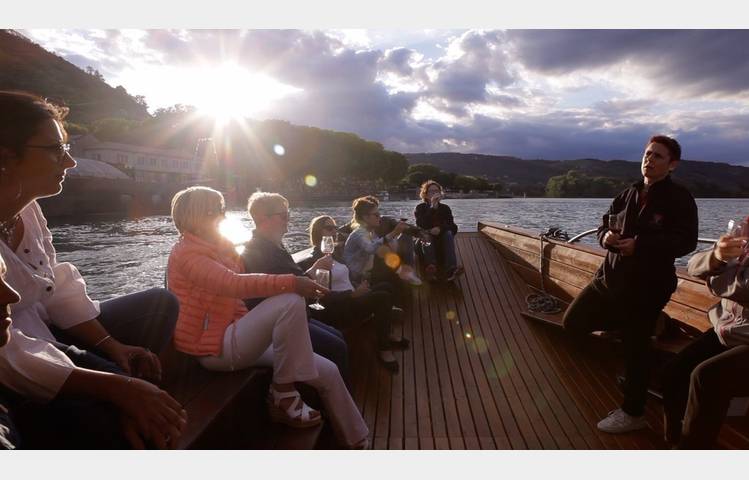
20,116
362,206
425,186
673,147
315,229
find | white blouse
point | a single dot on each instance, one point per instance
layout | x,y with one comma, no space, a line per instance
339,275
51,293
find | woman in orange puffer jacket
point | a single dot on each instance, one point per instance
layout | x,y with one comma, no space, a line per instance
205,273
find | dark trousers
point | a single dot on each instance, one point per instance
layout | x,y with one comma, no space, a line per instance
328,342
146,319
382,274
596,310
347,312
698,384
441,252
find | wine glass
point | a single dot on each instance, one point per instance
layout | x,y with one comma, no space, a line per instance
426,239
615,223
327,245
322,277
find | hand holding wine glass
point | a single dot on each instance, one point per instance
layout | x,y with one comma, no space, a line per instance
327,245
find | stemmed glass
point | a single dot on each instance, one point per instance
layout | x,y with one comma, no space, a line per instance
327,245
615,222
322,277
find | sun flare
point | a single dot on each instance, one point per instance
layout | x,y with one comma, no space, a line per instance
229,92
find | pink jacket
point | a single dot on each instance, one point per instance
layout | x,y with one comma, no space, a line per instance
209,283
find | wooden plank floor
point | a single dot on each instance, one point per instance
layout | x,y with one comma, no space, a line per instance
480,376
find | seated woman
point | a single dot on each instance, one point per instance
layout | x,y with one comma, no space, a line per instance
347,305
92,406
372,258
437,218
55,309
700,381
214,325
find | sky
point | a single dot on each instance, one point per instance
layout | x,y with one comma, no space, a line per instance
553,94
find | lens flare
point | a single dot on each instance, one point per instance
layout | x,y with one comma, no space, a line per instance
310,181
392,260
468,335
451,315
279,150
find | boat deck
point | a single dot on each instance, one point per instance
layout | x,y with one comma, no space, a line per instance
480,376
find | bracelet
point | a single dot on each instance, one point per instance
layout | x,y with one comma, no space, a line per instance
102,340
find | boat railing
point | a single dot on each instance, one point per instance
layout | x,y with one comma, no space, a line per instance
594,230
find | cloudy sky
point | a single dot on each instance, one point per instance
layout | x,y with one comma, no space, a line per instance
554,94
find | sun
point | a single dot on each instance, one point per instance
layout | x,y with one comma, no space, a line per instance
230,91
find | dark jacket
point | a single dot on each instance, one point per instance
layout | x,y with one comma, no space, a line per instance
665,228
428,218
263,256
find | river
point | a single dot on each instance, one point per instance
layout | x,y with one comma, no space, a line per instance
118,256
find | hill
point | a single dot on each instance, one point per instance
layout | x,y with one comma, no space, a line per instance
704,179
24,65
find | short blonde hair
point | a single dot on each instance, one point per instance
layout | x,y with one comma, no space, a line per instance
363,206
192,205
265,203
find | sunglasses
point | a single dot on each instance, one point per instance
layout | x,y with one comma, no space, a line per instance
61,150
284,215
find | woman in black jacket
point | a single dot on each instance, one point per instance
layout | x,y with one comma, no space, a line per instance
435,217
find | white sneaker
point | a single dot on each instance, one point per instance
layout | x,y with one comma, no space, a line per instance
408,275
619,421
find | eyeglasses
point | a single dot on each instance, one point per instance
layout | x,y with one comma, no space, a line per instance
376,214
61,149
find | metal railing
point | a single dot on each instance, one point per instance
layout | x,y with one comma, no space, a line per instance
594,230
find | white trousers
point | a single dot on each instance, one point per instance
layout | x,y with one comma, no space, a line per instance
275,333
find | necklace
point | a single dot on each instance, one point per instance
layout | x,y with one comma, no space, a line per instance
8,229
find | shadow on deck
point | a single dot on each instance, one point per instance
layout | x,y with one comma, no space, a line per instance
480,376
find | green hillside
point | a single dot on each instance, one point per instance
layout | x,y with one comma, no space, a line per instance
704,179
25,65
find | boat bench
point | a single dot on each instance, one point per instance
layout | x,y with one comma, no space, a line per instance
226,410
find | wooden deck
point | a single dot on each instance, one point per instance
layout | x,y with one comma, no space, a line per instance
480,376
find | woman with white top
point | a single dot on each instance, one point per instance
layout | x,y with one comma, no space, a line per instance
346,305
55,316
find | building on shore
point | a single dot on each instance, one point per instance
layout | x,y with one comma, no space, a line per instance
140,163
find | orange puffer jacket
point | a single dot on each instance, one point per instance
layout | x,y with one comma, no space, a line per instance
209,283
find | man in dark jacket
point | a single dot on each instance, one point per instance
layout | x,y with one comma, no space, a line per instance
634,283
265,253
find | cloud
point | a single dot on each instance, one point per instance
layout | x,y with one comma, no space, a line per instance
694,62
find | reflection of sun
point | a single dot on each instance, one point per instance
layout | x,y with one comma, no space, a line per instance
232,229
230,92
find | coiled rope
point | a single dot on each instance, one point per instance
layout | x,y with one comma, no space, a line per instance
544,302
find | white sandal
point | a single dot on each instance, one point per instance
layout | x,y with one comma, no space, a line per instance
293,416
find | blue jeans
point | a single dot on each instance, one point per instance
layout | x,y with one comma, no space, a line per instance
442,248
145,319
328,342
